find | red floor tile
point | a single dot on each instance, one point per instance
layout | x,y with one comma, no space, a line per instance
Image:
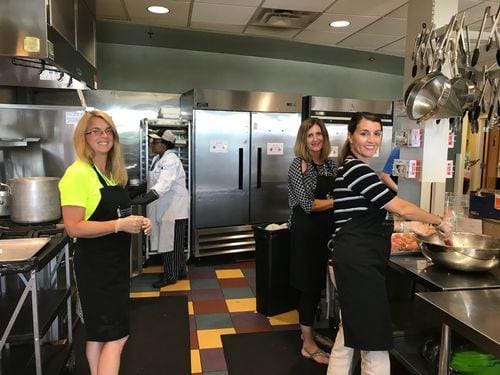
193,339
233,283
248,322
212,360
209,307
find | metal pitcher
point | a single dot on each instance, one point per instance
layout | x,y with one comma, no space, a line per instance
5,200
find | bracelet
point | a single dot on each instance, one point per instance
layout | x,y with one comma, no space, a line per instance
117,225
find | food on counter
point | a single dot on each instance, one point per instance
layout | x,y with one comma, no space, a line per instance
403,242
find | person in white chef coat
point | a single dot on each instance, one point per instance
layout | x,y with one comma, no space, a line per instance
168,206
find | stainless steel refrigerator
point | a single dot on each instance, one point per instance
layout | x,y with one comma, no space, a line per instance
242,148
336,112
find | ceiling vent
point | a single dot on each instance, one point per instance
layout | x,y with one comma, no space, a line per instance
283,18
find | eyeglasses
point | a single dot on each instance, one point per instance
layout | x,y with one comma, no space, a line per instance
97,132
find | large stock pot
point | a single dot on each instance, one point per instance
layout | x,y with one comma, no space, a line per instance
34,200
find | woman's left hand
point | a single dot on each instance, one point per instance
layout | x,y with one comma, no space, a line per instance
146,226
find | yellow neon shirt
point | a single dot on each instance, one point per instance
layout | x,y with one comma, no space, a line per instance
80,187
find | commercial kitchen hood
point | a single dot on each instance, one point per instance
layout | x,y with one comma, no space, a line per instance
48,43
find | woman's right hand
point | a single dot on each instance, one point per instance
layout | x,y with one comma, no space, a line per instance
445,227
129,224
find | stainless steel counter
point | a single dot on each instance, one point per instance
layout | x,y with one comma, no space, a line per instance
438,278
475,314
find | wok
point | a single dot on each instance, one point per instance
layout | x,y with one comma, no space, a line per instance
469,252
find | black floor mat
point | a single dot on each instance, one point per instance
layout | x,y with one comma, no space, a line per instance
276,353
159,339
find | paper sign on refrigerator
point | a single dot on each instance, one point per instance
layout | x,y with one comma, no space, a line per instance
219,146
275,148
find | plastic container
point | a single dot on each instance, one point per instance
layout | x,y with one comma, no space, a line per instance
272,269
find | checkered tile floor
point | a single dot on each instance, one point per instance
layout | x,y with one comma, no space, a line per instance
221,301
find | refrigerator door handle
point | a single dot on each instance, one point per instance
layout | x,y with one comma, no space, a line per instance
240,169
259,167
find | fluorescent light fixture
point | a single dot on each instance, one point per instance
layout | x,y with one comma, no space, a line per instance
341,23
158,9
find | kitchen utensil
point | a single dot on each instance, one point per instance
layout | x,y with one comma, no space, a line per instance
475,54
34,200
5,200
432,96
465,90
493,29
439,54
469,252
414,54
20,249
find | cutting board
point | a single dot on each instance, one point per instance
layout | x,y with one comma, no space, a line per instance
20,249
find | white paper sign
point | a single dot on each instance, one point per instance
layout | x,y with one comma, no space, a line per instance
219,147
334,153
73,117
275,148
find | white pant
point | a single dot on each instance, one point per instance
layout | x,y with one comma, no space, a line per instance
341,359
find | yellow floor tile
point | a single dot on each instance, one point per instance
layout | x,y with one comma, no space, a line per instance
210,338
190,308
241,304
290,317
229,274
153,269
178,286
195,361
144,294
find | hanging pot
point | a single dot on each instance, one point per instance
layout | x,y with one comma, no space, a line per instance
34,200
5,200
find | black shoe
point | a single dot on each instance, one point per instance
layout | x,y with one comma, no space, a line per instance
163,282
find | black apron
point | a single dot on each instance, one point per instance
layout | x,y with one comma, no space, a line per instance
360,254
309,236
102,269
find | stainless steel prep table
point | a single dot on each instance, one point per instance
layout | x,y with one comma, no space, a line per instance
434,278
473,313
20,322
438,278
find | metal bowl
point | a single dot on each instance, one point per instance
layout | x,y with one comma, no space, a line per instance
468,252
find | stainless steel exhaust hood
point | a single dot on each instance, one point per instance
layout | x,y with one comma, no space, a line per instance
48,43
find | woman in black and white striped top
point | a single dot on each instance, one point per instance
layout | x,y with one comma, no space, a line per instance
361,249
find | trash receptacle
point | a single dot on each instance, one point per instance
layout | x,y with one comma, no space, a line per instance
272,263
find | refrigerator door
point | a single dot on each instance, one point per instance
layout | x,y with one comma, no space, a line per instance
337,134
221,148
273,138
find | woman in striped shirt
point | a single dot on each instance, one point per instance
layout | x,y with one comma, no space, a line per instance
361,249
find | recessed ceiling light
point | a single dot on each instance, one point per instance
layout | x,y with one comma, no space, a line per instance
341,23
158,9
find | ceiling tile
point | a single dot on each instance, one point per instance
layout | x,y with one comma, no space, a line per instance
254,3
111,9
238,29
308,5
221,14
387,26
366,8
271,32
475,14
321,37
401,12
357,23
466,4
398,44
366,41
